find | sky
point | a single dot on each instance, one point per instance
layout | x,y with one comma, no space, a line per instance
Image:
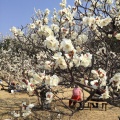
18,12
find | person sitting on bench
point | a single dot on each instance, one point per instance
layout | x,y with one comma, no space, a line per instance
98,93
76,96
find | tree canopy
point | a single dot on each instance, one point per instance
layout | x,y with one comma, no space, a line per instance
78,45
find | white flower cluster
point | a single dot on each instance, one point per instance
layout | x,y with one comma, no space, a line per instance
81,39
85,59
52,43
45,30
115,80
48,65
36,79
49,97
52,80
26,109
67,16
47,11
63,3
16,31
101,75
60,61
55,28
32,26
117,36
66,45
93,22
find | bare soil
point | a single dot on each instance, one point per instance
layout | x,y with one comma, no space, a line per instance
10,102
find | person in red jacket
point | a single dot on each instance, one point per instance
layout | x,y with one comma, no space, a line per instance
76,96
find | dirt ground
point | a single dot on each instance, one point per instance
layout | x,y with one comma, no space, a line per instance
9,101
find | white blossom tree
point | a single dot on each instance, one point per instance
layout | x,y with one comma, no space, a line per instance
78,45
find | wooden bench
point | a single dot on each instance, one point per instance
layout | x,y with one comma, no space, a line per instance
99,102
